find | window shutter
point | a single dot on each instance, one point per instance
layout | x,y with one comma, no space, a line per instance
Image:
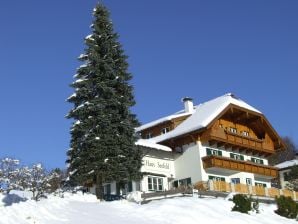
241,157
253,160
261,161
219,153
208,151
222,179
232,155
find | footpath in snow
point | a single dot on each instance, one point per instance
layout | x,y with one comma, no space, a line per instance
86,209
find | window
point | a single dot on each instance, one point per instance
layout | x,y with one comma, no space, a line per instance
155,184
235,180
216,178
107,189
233,130
160,184
215,152
260,184
248,181
256,160
165,130
245,133
148,135
175,184
236,156
185,182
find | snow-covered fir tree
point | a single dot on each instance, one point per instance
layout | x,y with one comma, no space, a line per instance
102,135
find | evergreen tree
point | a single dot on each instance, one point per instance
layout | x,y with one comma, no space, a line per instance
103,137
293,179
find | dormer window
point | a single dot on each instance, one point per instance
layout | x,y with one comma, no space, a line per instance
245,133
165,130
233,130
148,135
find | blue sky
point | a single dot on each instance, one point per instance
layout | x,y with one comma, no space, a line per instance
201,49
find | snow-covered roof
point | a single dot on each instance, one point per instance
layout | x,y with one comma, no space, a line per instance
148,143
161,120
203,115
286,164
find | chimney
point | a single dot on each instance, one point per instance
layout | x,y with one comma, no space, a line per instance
188,104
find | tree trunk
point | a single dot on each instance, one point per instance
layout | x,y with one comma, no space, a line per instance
99,191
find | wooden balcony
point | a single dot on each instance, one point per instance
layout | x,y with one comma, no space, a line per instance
236,141
239,165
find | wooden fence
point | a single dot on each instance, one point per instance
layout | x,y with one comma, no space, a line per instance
222,186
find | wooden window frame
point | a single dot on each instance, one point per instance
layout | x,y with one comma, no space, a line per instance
236,156
257,160
165,130
215,152
148,135
216,178
156,183
233,130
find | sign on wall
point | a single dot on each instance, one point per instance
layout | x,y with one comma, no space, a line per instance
157,165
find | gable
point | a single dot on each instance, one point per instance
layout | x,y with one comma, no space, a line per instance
248,123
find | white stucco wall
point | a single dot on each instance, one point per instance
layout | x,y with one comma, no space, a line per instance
163,166
187,164
157,163
283,183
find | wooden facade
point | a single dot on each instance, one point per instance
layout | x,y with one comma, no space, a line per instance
238,165
227,139
157,129
243,130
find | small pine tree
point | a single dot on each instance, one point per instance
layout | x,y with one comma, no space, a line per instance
242,203
286,207
102,136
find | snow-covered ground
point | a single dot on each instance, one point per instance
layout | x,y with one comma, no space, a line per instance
85,209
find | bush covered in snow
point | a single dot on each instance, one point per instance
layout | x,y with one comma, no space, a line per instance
134,196
34,178
286,207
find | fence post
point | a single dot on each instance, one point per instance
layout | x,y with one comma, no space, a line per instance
249,189
266,192
232,187
211,185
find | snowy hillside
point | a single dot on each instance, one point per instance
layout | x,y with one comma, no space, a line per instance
85,209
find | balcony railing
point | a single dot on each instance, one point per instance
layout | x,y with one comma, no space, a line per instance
221,186
239,165
227,138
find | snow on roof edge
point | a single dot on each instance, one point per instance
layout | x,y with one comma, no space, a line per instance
160,120
150,144
286,164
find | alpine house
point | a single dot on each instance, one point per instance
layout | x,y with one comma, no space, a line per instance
223,139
